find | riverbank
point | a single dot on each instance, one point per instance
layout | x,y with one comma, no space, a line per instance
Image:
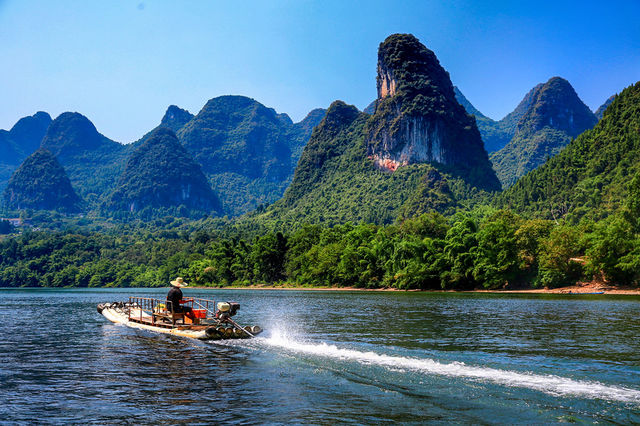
579,288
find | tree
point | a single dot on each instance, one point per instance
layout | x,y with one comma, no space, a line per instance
495,258
560,261
6,227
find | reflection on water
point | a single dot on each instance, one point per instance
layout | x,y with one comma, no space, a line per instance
326,357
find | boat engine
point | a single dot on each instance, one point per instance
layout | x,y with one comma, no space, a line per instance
226,310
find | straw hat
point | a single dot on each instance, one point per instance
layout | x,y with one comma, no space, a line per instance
179,282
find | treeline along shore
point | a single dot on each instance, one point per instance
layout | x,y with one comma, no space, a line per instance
482,249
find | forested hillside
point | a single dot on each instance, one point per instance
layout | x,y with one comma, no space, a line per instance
40,183
494,134
92,161
20,142
591,177
555,116
246,150
376,168
160,174
402,196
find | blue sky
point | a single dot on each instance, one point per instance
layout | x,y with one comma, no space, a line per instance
121,63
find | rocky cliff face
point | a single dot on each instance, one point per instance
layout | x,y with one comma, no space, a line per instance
41,183
417,117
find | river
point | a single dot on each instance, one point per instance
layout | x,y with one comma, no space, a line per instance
325,358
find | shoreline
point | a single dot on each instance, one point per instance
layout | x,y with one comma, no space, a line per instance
578,289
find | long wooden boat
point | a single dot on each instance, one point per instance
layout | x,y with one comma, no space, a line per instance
206,321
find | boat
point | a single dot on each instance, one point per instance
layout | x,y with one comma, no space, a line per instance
206,321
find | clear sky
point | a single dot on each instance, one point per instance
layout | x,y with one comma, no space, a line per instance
121,63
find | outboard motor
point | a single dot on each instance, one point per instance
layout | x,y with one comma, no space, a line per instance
226,310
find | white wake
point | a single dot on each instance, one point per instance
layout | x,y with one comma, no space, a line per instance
550,384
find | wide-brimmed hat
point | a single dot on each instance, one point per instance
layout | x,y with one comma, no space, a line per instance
179,282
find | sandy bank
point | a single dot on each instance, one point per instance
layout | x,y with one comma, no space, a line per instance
579,288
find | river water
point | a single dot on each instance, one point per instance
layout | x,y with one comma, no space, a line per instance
326,358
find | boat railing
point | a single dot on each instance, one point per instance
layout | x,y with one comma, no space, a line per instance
145,309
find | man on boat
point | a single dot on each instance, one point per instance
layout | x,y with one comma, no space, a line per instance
174,297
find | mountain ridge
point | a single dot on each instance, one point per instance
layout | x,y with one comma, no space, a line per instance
554,116
339,179
590,176
41,183
160,173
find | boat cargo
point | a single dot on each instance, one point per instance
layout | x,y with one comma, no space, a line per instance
205,320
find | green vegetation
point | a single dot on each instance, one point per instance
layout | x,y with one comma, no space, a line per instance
345,219
484,248
41,183
20,142
555,116
335,182
602,108
593,176
161,174
247,151
92,161
494,134
23,138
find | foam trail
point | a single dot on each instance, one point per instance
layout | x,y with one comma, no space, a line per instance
550,384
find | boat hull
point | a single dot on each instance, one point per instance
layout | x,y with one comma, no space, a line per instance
118,315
